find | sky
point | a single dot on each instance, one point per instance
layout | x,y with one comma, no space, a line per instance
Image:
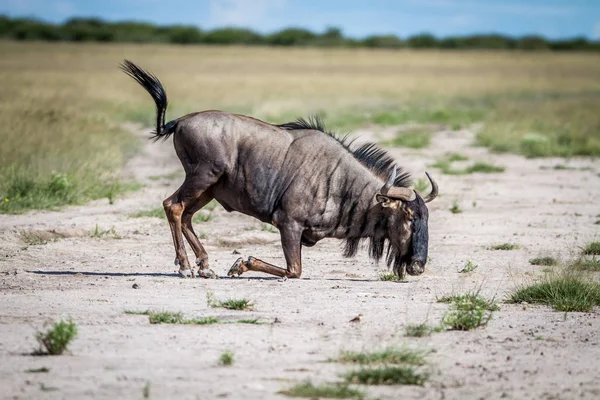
553,19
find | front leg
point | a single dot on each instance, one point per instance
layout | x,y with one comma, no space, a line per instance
290,241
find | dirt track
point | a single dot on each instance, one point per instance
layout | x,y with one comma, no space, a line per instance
526,352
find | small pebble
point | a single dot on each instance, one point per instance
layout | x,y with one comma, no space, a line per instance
136,286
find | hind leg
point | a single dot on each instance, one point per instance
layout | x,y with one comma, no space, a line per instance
192,188
190,235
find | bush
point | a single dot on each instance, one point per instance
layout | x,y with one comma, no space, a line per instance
56,339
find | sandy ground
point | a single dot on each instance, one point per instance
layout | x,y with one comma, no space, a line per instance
525,352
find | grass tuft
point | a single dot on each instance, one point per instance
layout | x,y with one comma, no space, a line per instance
103,233
592,248
566,291
389,277
387,375
421,185
230,304
146,390
445,165
386,356
470,266
41,370
413,138
268,228
467,311
324,391
505,246
545,261
469,301
167,317
136,312
157,212
254,321
587,264
56,339
226,358
419,330
455,209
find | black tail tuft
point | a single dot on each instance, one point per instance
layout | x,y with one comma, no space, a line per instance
157,91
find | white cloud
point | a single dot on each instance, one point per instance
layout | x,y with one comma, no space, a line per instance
242,12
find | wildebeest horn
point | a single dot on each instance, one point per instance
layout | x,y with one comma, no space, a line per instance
434,189
399,193
390,182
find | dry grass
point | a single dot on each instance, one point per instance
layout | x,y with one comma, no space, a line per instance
62,103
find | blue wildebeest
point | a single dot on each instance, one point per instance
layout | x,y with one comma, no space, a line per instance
297,177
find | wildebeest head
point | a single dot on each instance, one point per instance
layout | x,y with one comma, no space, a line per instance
404,224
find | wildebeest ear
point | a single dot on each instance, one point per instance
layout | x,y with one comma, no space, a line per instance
386,201
381,198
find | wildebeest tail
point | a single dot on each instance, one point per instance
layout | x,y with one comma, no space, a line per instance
158,93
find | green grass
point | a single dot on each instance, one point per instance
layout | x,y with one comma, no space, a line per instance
483,168
455,209
418,330
230,304
146,390
445,164
386,356
592,248
456,157
63,143
56,339
226,358
567,291
201,217
587,264
421,185
413,138
136,312
470,266
469,301
98,233
168,317
157,212
165,317
505,246
323,391
563,124
467,311
254,321
389,277
268,228
387,375
545,261
202,321
37,370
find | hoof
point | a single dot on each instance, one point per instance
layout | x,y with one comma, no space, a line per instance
237,268
207,274
186,273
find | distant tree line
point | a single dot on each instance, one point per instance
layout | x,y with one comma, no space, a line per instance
97,30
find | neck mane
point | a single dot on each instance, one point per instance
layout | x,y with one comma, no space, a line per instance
377,160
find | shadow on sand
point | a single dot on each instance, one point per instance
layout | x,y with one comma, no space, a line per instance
175,275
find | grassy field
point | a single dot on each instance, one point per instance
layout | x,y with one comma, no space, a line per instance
62,104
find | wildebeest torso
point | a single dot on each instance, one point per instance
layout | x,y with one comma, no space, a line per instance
278,175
